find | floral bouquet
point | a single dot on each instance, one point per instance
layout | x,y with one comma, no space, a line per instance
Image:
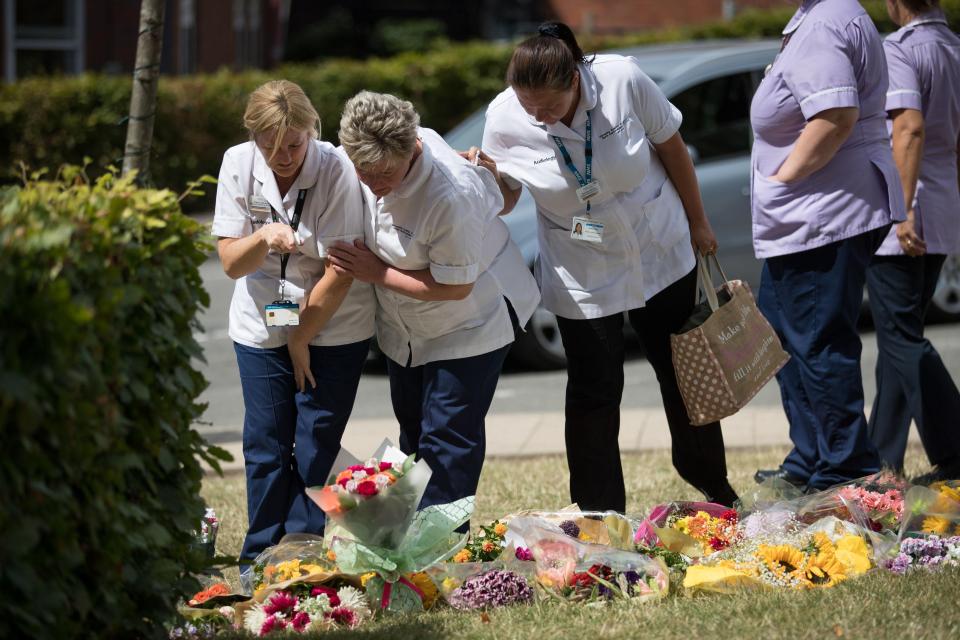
307,608
693,529
785,555
874,502
299,558
573,570
930,553
375,500
596,527
206,537
931,510
486,551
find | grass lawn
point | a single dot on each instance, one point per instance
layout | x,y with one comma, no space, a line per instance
878,605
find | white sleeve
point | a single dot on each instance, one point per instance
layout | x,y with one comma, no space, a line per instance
457,240
230,219
341,217
494,147
660,119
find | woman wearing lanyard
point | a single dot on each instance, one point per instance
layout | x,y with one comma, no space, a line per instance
825,190
446,276
923,111
618,208
282,198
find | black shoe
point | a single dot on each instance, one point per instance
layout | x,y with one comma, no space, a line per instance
762,475
949,472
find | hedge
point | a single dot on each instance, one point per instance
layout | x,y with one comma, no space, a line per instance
45,122
100,472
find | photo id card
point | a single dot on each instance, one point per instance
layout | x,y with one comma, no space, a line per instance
588,191
283,314
587,230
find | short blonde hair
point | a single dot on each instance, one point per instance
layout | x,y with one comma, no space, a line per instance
378,127
280,105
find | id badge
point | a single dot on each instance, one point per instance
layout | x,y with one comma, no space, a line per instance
283,314
259,206
587,191
587,230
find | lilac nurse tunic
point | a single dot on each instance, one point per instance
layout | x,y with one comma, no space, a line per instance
832,57
924,62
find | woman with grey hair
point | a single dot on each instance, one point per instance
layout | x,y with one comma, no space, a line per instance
452,288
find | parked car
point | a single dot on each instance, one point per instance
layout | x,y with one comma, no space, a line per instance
712,83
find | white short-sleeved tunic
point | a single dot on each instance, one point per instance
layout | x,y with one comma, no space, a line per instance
444,217
333,210
646,238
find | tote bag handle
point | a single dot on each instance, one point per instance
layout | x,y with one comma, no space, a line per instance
705,280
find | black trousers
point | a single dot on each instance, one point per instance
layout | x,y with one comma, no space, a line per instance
912,381
595,355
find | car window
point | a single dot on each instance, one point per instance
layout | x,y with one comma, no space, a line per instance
716,116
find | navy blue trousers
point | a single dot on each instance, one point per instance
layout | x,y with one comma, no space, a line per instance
912,381
277,416
813,299
442,407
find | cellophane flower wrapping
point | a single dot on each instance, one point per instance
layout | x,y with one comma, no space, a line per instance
581,571
775,549
297,558
693,529
933,510
874,502
430,538
596,527
383,518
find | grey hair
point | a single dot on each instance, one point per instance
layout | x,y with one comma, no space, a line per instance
377,127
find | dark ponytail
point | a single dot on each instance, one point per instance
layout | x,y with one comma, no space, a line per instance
547,60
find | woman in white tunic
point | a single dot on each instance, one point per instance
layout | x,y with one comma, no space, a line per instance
597,145
451,285
282,198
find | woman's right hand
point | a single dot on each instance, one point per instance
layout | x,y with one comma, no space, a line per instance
911,243
300,356
279,237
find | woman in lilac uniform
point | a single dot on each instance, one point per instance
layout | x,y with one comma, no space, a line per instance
825,191
923,107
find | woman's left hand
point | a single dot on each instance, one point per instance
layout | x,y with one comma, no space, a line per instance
358,261
702,237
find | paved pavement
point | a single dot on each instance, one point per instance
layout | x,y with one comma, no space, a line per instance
526,417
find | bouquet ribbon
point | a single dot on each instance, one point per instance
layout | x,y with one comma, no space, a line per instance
388,589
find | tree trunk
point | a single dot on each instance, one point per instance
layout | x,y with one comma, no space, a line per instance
143,100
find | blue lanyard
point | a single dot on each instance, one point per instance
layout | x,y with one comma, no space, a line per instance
587,154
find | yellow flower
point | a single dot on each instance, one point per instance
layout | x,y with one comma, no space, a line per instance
935,524
822,542
853,554
500,529
288,570
783,560
331,556
824,570
950,492
584,537
426,586
312,568
365,578
449,584
462,556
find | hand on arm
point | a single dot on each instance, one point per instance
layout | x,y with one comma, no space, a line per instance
907,138
359,262
818,143
510,195
676,160
320,305
242,256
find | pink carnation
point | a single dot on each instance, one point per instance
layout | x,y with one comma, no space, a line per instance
280,602
326,591
343,616
367,488
271,624
300,621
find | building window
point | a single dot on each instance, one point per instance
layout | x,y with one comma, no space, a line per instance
43,38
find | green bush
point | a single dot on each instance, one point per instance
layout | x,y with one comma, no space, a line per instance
50,121
100,472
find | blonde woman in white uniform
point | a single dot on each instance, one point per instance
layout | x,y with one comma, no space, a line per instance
597,145
282,199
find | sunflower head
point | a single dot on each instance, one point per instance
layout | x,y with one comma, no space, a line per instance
935,525
783,560
824,570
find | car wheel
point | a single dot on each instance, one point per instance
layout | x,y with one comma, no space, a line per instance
540,347
946,300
